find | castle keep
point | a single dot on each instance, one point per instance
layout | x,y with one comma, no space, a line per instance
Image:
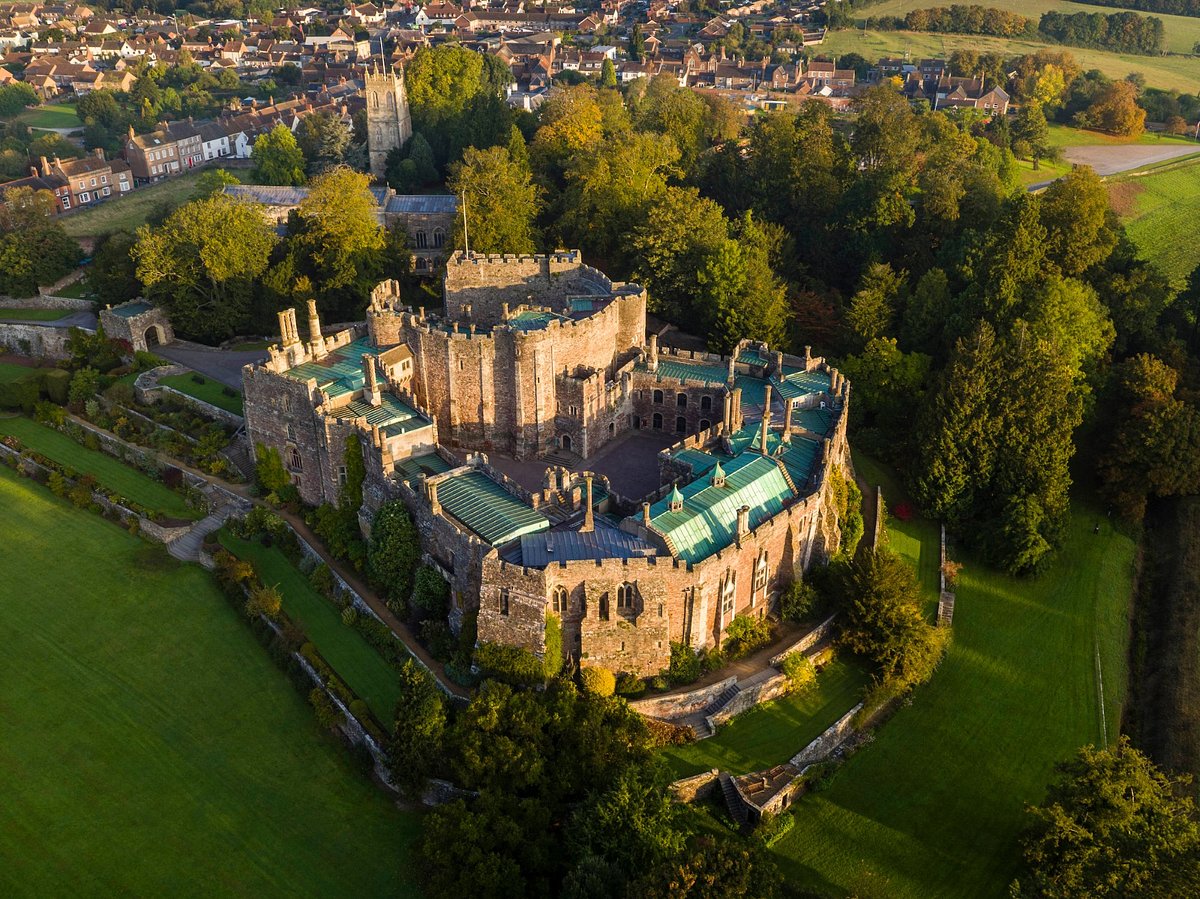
543,355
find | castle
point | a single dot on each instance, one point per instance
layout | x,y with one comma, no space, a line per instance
389,123
543,355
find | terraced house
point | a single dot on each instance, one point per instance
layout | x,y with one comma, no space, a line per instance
542,364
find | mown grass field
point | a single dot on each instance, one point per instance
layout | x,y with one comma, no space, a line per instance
34,315
1180,32
353,658
1160,212
150,746
772,733
934,805
107,471
129,212
10,372
1181,73
210,391
55,115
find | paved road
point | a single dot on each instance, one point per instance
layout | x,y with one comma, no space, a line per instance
69,320
1109,160
220,365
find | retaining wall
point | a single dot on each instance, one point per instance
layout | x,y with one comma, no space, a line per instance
38,341
806,641
831,739
72,304
680,705
699,786
749,697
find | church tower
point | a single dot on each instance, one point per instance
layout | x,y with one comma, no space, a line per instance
389,124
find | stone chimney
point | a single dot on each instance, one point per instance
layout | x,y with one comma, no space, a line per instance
45,166
646,515
653,363
588,524
314,330
743,523
431,492
287,328
766,420
807,357
371,388
779,364
504,312
731,376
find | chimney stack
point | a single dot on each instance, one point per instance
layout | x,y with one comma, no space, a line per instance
588,524
314,330
653,352
730,377
371,389
766,419
287,327
646,515
434,505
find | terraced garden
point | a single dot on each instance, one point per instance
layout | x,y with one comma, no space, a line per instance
210,391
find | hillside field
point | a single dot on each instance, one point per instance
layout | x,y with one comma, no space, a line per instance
1181,32
932,807
151,747
1181,73
1160,210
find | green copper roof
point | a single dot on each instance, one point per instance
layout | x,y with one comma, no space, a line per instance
488,509
392,415
673,368
819,421
708,521
800,458
338,373
414,466
801,383
532,320
699,460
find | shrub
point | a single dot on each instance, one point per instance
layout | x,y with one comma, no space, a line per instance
436,635
711,659
801,602
56,383
414,751
745,634
272,477
772,828
597,680
264,600
349,616
630,685
199,379
685,665
552,658
85,384
800,671
509,664
430,595
394,551
22,393
329,715
57,484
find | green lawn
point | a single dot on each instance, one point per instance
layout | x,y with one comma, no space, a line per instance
56,115
77,290
34,315
1063,136
210,392
107,471
1180,73
1180,32
130,211
10,372
150,746
1159,210
772,733
352,657
934,805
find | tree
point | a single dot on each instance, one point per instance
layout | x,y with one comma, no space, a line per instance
269,472
883,619
1074,212
202,262
1031,133
214,181
1112,824
278,158
323,139
1116,110
14,97
500,202
712,868
415,750
873,307
34,248
608,73
393,552
112,276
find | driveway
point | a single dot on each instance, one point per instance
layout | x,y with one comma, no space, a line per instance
220,365
81,319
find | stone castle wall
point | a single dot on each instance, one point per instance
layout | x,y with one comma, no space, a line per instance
486,283
38,341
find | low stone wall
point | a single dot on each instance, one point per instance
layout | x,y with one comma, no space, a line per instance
806,641
680,705
38,341
68,304
831,739
69,278
146,389
749,697
699,786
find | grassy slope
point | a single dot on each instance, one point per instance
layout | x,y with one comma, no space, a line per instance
107,471
934,805
210,392
352,657
150,746
772,733
56,115
132,210
1180,73
1158,211
35,315
1181,32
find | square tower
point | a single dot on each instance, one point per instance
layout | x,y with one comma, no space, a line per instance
389,123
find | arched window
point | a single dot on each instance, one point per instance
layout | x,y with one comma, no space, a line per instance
439,238
705,403
658,421
760,577
422,240
625,594
294,460
658,396
680,425
728,595
375,99
604,607
560,600
705,424
681,401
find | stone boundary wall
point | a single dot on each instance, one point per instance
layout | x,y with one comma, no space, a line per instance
681,705
73,304
150,392
699,786
38,341
831,739
805,642
749,697
69,278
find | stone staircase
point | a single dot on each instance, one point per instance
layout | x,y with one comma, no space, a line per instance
238,453
946,610
186,548
733,800
560,456
722,700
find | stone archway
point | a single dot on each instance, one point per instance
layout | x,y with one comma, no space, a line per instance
154,336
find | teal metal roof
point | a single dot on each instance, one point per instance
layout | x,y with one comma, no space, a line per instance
338,373
132,309
487,508
753,389
673,368
708,521
415,466
533,320
801,383
819,421
699,460
392,415
800,459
